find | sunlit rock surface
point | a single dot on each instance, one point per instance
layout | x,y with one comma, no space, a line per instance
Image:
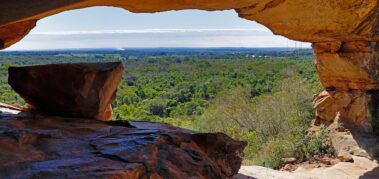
81,90
351,119
51,147
349,73
361,168
351,108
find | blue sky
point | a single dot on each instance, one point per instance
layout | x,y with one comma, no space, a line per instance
108,27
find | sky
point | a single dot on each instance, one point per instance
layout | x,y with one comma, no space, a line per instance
109,27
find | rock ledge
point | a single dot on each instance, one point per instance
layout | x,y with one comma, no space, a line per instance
52,147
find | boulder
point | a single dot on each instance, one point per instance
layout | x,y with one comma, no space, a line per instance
351,108
79,90
54,147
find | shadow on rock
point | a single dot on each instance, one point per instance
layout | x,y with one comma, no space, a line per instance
242,176
373,174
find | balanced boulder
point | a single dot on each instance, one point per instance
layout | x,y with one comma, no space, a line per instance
80,90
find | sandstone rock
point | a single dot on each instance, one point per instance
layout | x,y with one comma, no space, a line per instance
361,168
345,158
350,119
12,33
326,161
352,66
350,109
335,161
291,160
52,147
288,167
83,90
315,21
349,73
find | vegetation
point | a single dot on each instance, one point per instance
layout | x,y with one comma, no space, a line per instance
317,144
275,122
260,96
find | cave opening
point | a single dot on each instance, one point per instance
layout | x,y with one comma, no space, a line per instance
205,59
342,41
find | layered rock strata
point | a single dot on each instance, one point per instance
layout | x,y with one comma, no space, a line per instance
52,147
349,73
349,106
82,90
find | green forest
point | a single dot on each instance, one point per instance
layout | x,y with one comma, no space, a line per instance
262,96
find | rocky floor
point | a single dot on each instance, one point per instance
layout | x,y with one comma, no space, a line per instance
51,147
361,168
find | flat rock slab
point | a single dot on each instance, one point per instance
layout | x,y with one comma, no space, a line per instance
81,90
52,147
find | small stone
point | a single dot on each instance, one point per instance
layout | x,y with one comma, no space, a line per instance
345,158
290,160
334,161
326,161
289,167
